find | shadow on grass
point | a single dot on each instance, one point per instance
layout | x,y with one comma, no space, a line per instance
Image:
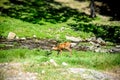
36,10
107,32
39,11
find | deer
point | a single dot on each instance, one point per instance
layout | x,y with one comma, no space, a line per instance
62,46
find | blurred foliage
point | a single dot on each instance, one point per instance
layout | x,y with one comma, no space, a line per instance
36,10
107,32
39,11
79,58
109,8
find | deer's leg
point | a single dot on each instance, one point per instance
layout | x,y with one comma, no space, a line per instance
59,52
70,50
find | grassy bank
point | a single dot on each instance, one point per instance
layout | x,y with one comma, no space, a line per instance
46,31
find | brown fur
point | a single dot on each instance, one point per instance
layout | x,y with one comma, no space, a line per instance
61,46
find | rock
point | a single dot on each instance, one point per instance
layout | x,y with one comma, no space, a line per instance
115,50
117,46
82,48
57,36
73,44
9,45
17,37
96,40
62,28
97,50
104,50
91,48
64,64
34,36
100,41
53,62
89,74
43,72
74,39
11,35
15,71
45,63
23,38
94,44
91,39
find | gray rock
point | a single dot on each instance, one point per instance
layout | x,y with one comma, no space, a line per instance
64,64
115,50
91,39
74,39
117,46
88,74
14,71
53,62
23,38
73,44
101,41
11,35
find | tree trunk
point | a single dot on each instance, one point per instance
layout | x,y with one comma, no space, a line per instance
92,9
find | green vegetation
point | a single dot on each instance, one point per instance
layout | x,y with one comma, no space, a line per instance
48,30
48,19
33,60
78,59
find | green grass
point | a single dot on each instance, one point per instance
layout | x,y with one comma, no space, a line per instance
78,59
32,61
48,30
68,22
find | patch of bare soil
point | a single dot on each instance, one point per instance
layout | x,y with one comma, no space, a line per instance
83,6
114,72
89,74
15,71
78,5
29,43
